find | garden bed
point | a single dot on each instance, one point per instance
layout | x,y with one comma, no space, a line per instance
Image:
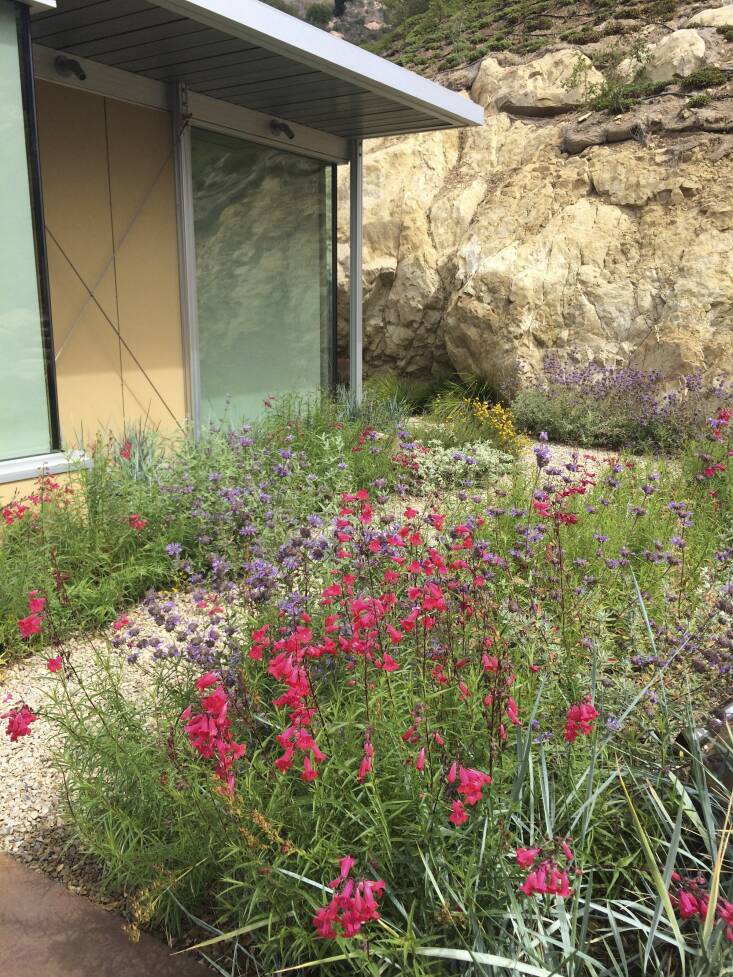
418,709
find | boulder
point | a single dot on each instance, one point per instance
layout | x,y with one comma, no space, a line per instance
489,248
639,185
716,17
677,54
576,139
538,88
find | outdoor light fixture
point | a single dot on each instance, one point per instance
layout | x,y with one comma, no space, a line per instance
282,129
66,67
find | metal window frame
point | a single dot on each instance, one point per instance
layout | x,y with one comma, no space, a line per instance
34,466
356,261
207,112
334,323
188,282
30,117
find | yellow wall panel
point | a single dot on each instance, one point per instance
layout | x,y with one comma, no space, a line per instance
108,177
20,490
142,180
14,490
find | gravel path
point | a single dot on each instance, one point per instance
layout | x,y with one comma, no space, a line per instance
32,826
32,805
561,454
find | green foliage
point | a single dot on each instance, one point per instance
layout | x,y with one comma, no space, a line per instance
284,5
619,407
320,14
707,77
415,394
636,801
479,464
619,91
662,9
699,101
727,33
73,539
438,34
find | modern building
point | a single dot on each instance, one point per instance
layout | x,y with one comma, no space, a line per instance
168,209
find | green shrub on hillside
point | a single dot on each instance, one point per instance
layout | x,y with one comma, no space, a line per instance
525,26
708,77
699,101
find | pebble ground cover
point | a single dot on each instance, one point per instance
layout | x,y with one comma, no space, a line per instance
407,718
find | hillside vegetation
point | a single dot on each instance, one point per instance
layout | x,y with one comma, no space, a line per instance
434,35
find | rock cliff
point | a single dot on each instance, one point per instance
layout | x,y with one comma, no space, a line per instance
554,227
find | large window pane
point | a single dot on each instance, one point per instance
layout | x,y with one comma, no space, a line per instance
263,255
24,421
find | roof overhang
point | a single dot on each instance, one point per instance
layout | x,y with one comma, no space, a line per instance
256,58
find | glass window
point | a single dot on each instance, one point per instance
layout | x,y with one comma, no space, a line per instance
262,221
24,416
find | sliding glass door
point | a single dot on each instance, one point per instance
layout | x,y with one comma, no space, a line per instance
25,420
264,263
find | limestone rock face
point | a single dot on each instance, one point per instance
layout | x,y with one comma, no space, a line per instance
716,17
491,247
539,88
679,53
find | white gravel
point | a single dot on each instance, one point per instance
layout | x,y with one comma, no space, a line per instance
33,825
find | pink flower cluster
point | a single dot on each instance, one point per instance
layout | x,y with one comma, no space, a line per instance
30,625
47,492
354,904
209,731
289,667
691,899
548,877
471,784
580,719
19,722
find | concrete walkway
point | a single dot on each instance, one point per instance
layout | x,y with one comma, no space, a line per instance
47,931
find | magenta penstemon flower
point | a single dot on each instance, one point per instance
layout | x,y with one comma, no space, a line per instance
209,731
354,904
19,722
30,625
526,857
580,719
33,623
546,875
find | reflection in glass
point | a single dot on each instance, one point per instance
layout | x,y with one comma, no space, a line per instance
24,421
263,256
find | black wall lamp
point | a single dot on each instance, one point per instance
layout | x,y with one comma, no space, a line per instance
66,67
281,129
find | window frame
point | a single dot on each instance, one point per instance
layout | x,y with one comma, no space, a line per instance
30,116
26,466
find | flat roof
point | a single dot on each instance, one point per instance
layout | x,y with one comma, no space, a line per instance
249,54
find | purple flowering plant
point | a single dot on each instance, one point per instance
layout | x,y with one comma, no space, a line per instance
449,725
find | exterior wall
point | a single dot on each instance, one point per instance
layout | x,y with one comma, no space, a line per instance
10,490
110,214
18,490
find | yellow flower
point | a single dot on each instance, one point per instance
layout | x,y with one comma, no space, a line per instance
500,422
